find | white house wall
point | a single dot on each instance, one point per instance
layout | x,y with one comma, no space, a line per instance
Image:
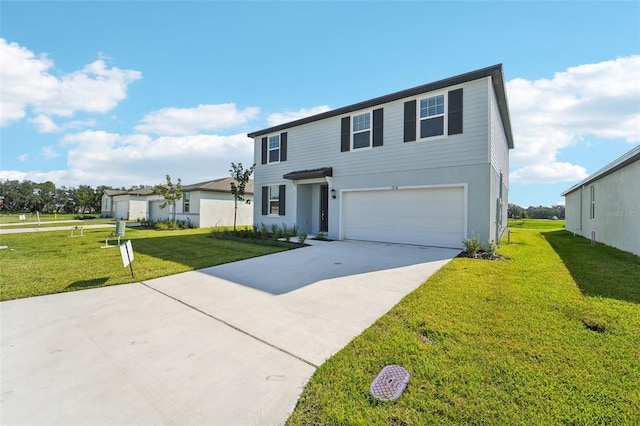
461,158
617,209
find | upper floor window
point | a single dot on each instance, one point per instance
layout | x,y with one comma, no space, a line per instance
186,202
274,149
361,129
432,116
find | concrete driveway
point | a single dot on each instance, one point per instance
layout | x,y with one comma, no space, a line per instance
228,345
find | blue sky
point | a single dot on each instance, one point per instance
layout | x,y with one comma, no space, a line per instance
122,93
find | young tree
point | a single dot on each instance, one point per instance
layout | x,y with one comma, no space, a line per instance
238,186
171,194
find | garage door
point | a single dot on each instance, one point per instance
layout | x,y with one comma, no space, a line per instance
426,216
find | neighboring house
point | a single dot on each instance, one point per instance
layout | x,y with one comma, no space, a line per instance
127,205
606,205
427,165
204,204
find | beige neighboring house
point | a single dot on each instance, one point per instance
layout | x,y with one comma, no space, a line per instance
606,205
204,204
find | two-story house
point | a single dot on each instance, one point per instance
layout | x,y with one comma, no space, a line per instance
427,165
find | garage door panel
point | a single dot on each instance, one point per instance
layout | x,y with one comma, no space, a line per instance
428,216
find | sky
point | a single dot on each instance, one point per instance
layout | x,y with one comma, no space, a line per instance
122,93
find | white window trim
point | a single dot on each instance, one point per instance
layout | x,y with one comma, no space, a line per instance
370,130
277,188
270,149
186,202
445,119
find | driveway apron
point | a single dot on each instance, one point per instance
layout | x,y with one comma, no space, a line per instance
227,345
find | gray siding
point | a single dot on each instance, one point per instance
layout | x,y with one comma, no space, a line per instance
499,159
456,159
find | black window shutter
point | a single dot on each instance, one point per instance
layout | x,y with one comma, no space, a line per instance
345,134
265,200
410,121
264,150
455,112
282,201
378,120
283,146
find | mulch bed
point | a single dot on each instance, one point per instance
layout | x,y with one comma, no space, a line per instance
482,255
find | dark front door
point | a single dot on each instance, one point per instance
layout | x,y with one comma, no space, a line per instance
324,208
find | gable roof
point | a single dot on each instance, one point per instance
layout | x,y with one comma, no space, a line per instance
494,71
141,191
626,159
216,185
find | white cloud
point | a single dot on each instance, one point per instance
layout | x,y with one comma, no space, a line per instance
189,121
48,152
44,124
101,158
287,116
23,157
600,100
26,82
548,173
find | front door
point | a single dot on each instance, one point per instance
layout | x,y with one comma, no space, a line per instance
324,208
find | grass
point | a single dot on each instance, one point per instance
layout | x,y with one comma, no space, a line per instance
44,217
530,340
52,262
535,224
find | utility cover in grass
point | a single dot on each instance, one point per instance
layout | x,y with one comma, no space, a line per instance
389,383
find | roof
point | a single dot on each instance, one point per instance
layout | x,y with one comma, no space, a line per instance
628,158
216,185
141,191
494,71
310,174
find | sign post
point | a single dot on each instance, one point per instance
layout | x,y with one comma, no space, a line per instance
126,251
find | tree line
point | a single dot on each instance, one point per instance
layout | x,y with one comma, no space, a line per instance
27,196
536,212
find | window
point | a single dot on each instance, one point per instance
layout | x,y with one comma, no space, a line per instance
361,129
432,116
593,203
273,200
274,149
186,201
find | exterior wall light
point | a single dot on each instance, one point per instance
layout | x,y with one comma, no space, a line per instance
333,193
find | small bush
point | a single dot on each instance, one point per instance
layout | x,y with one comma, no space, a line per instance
302,238
472,245
491,248
275,231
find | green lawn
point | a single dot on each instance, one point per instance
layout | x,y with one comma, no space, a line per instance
535,224
499,343
52,262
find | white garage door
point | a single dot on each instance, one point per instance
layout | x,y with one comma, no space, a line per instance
427,216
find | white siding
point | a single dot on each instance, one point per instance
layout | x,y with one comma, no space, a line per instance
499,159
617,209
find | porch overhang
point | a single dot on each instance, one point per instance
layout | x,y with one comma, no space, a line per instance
310,174
323,174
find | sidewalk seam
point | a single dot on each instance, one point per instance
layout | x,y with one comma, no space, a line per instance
230,325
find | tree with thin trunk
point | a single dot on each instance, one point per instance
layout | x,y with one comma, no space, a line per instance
171,194
238,186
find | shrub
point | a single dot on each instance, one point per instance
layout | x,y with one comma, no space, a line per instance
302,238
491,248
472,245
275,231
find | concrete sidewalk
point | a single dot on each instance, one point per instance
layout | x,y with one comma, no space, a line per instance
229,345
